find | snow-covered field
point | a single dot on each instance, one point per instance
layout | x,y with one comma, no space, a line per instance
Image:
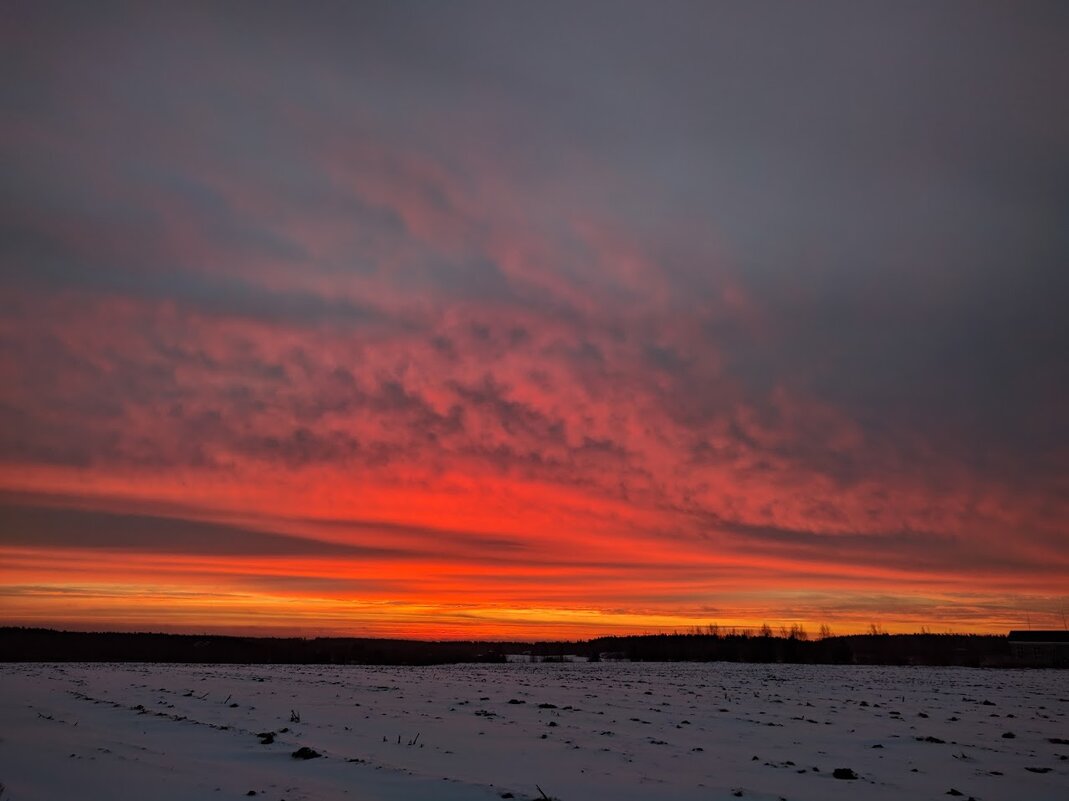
580,732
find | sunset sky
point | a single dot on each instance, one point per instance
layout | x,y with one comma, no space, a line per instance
526,320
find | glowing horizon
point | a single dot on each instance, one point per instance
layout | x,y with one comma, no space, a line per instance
481,322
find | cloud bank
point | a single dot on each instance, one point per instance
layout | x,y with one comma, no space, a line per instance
473,319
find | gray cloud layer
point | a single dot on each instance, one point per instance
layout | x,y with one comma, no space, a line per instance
886,184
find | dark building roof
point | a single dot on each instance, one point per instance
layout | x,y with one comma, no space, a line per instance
1040,636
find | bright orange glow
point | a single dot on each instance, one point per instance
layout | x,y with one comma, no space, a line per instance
562,572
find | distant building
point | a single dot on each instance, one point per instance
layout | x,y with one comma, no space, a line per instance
1040,648
528,657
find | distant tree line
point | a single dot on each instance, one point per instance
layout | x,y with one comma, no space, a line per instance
46,645
971,650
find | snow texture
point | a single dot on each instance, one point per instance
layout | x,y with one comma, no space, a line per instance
628,732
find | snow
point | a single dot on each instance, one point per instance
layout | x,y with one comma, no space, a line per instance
578,731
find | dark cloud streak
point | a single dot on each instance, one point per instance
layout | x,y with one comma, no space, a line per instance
66,528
